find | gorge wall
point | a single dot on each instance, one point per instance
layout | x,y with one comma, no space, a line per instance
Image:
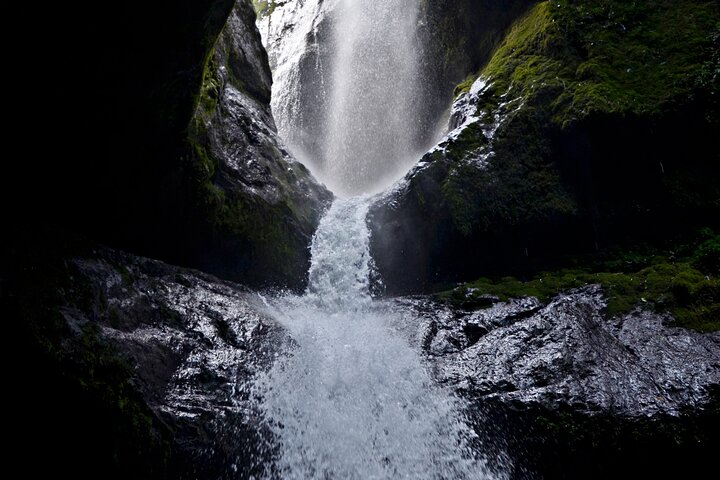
587,128
160,141
252,207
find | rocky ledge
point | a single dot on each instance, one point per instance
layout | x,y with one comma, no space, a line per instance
137,369
566,352
565,391
151,366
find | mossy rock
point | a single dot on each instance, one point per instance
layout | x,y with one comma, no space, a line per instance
689,291
595,130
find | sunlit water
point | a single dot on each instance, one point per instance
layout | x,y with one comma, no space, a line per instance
370,120
354,113
351,399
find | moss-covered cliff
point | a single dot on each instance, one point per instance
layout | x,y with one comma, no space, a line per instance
591,125
252,206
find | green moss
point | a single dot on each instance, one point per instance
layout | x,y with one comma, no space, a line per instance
264,8
606,55
559,64
210,89
464,86
519,184
707,255
235,215
685,289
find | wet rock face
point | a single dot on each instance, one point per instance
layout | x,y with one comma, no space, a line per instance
559,381
167,106
567,352
165,359
539,163
193,343
257,206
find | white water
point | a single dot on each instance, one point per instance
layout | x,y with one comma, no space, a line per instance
346,93
370,131
352,399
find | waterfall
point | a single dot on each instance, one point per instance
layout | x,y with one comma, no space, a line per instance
348,96
352,399
370,129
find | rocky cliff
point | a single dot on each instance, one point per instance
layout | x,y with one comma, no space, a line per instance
588,127
137,369
158,139
254,207
565,393
131,368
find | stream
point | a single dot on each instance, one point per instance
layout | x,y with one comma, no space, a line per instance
352,398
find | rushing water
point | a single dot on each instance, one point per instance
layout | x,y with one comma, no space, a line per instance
352,399
370,130
347,96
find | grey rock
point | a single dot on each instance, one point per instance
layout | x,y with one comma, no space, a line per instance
195,343
567,353
264,204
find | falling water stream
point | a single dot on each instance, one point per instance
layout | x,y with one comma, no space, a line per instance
372,108
351,398
348,95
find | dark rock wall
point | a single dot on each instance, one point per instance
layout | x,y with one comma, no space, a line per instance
111,147
565,393
257,207
131,368
117,87
594,130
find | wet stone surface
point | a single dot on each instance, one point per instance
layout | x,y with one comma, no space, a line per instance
567,352
195,343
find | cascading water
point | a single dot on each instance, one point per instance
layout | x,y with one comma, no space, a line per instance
370,131
352,399
347,96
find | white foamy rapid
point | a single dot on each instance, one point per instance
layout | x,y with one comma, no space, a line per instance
351,399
